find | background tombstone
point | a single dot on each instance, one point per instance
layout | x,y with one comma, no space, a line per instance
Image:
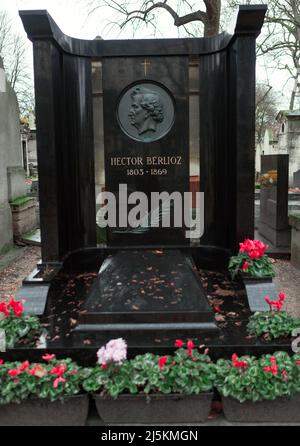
296,176
273,222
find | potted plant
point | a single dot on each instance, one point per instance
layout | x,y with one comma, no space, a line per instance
17,325
262,389
42,394
255,268
149,388
251,261
273,324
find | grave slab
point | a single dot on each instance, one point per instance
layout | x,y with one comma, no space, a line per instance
147,289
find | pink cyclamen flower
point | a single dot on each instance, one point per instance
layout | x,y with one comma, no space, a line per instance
1,361
114,351
57,381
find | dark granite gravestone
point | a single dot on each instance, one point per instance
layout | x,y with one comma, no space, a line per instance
273,223
147,279
296,176
146,146
146,151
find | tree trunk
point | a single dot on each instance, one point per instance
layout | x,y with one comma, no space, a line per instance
212,23
293,95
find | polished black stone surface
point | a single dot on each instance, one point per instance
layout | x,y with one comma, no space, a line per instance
159,286
72,286
35,297
140,152
62,67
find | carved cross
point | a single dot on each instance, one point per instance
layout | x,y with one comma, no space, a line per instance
145,63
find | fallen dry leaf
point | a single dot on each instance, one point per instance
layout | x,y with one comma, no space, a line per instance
225,293
73,322
220,317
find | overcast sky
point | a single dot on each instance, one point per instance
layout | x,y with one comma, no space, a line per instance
71,17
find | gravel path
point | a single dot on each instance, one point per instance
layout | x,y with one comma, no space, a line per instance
287,280
11,277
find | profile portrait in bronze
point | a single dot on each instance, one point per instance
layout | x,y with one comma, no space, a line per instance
146,111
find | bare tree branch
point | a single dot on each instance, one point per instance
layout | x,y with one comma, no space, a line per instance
13,49
182,13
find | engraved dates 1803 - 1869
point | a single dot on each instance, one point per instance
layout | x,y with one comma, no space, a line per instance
146,112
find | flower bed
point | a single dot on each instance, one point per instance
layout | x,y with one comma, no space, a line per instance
16,325
250,386
273,324
251,261
150,389
152,385
38,394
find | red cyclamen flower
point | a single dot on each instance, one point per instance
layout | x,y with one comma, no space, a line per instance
245,266
16,306
190,346
277,304
57,381
48,357
1,361
273,367
60,370
24,366
237,363
13,372
254,248
3,308
179,343
162,361
282,296
297,362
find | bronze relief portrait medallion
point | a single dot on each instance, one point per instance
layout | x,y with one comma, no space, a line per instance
146,112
